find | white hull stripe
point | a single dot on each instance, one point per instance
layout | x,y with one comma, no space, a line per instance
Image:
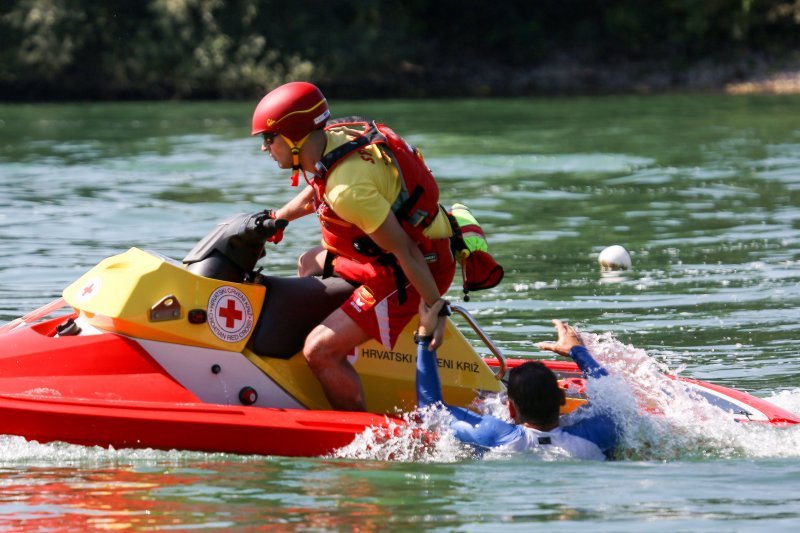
192,367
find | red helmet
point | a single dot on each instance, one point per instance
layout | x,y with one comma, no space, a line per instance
293,110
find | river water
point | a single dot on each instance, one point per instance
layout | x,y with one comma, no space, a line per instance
704,191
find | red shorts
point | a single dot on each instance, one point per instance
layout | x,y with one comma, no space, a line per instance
374,305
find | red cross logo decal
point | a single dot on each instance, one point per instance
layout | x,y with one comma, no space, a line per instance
230,314
87,289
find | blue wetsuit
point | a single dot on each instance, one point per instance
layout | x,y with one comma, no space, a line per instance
590,437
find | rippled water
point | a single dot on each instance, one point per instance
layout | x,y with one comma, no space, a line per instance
703,190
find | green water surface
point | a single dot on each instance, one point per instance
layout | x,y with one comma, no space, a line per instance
703,190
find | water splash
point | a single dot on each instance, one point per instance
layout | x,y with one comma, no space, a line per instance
661,418
671,421
424,437
787,399
16,450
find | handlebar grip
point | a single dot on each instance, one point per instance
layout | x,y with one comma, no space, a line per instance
267,227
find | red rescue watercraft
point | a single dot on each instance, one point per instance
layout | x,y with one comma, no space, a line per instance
205,354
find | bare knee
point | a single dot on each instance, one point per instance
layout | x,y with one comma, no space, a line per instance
310,263
328,344
305,267
317,352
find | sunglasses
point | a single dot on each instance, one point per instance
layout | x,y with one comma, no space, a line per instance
269,138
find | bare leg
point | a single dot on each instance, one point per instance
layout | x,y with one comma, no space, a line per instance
326,350
311,262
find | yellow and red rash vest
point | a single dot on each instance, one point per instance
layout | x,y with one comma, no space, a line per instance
415,207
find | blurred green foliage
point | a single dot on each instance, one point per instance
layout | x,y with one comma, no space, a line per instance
156,49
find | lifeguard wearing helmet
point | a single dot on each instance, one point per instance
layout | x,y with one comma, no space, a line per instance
292,111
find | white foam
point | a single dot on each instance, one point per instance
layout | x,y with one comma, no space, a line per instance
787,399
17,450
424,437
673,422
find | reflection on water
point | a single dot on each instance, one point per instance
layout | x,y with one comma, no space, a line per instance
104,489
250,493
702,190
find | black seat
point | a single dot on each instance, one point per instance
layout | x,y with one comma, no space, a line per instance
292,308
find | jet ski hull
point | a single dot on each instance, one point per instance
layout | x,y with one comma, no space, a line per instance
105,390
186,426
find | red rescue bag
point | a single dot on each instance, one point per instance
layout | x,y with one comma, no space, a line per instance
479,270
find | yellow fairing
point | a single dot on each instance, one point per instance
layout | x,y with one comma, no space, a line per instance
388,376
462,371
145,296
148,297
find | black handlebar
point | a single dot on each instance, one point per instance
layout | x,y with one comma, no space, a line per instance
266,226
231,251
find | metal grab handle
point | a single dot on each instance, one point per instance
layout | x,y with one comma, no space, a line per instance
33,316
484,337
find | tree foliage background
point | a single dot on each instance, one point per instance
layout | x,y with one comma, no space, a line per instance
154,49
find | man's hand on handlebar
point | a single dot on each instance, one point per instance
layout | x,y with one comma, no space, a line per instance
277,226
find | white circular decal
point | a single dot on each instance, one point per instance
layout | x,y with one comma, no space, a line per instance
230,315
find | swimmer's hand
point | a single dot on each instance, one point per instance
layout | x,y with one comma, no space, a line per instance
432,322
568,338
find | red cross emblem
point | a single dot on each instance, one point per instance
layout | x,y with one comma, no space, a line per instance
230,313
89,289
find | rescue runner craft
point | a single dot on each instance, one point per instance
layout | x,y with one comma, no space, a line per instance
205,355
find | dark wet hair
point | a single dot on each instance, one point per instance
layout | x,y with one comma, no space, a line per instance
535,391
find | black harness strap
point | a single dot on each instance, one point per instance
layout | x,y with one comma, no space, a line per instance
403,211
329,160
457,243
327,265
367,246
399,276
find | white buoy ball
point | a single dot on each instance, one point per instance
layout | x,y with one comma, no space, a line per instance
614,258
